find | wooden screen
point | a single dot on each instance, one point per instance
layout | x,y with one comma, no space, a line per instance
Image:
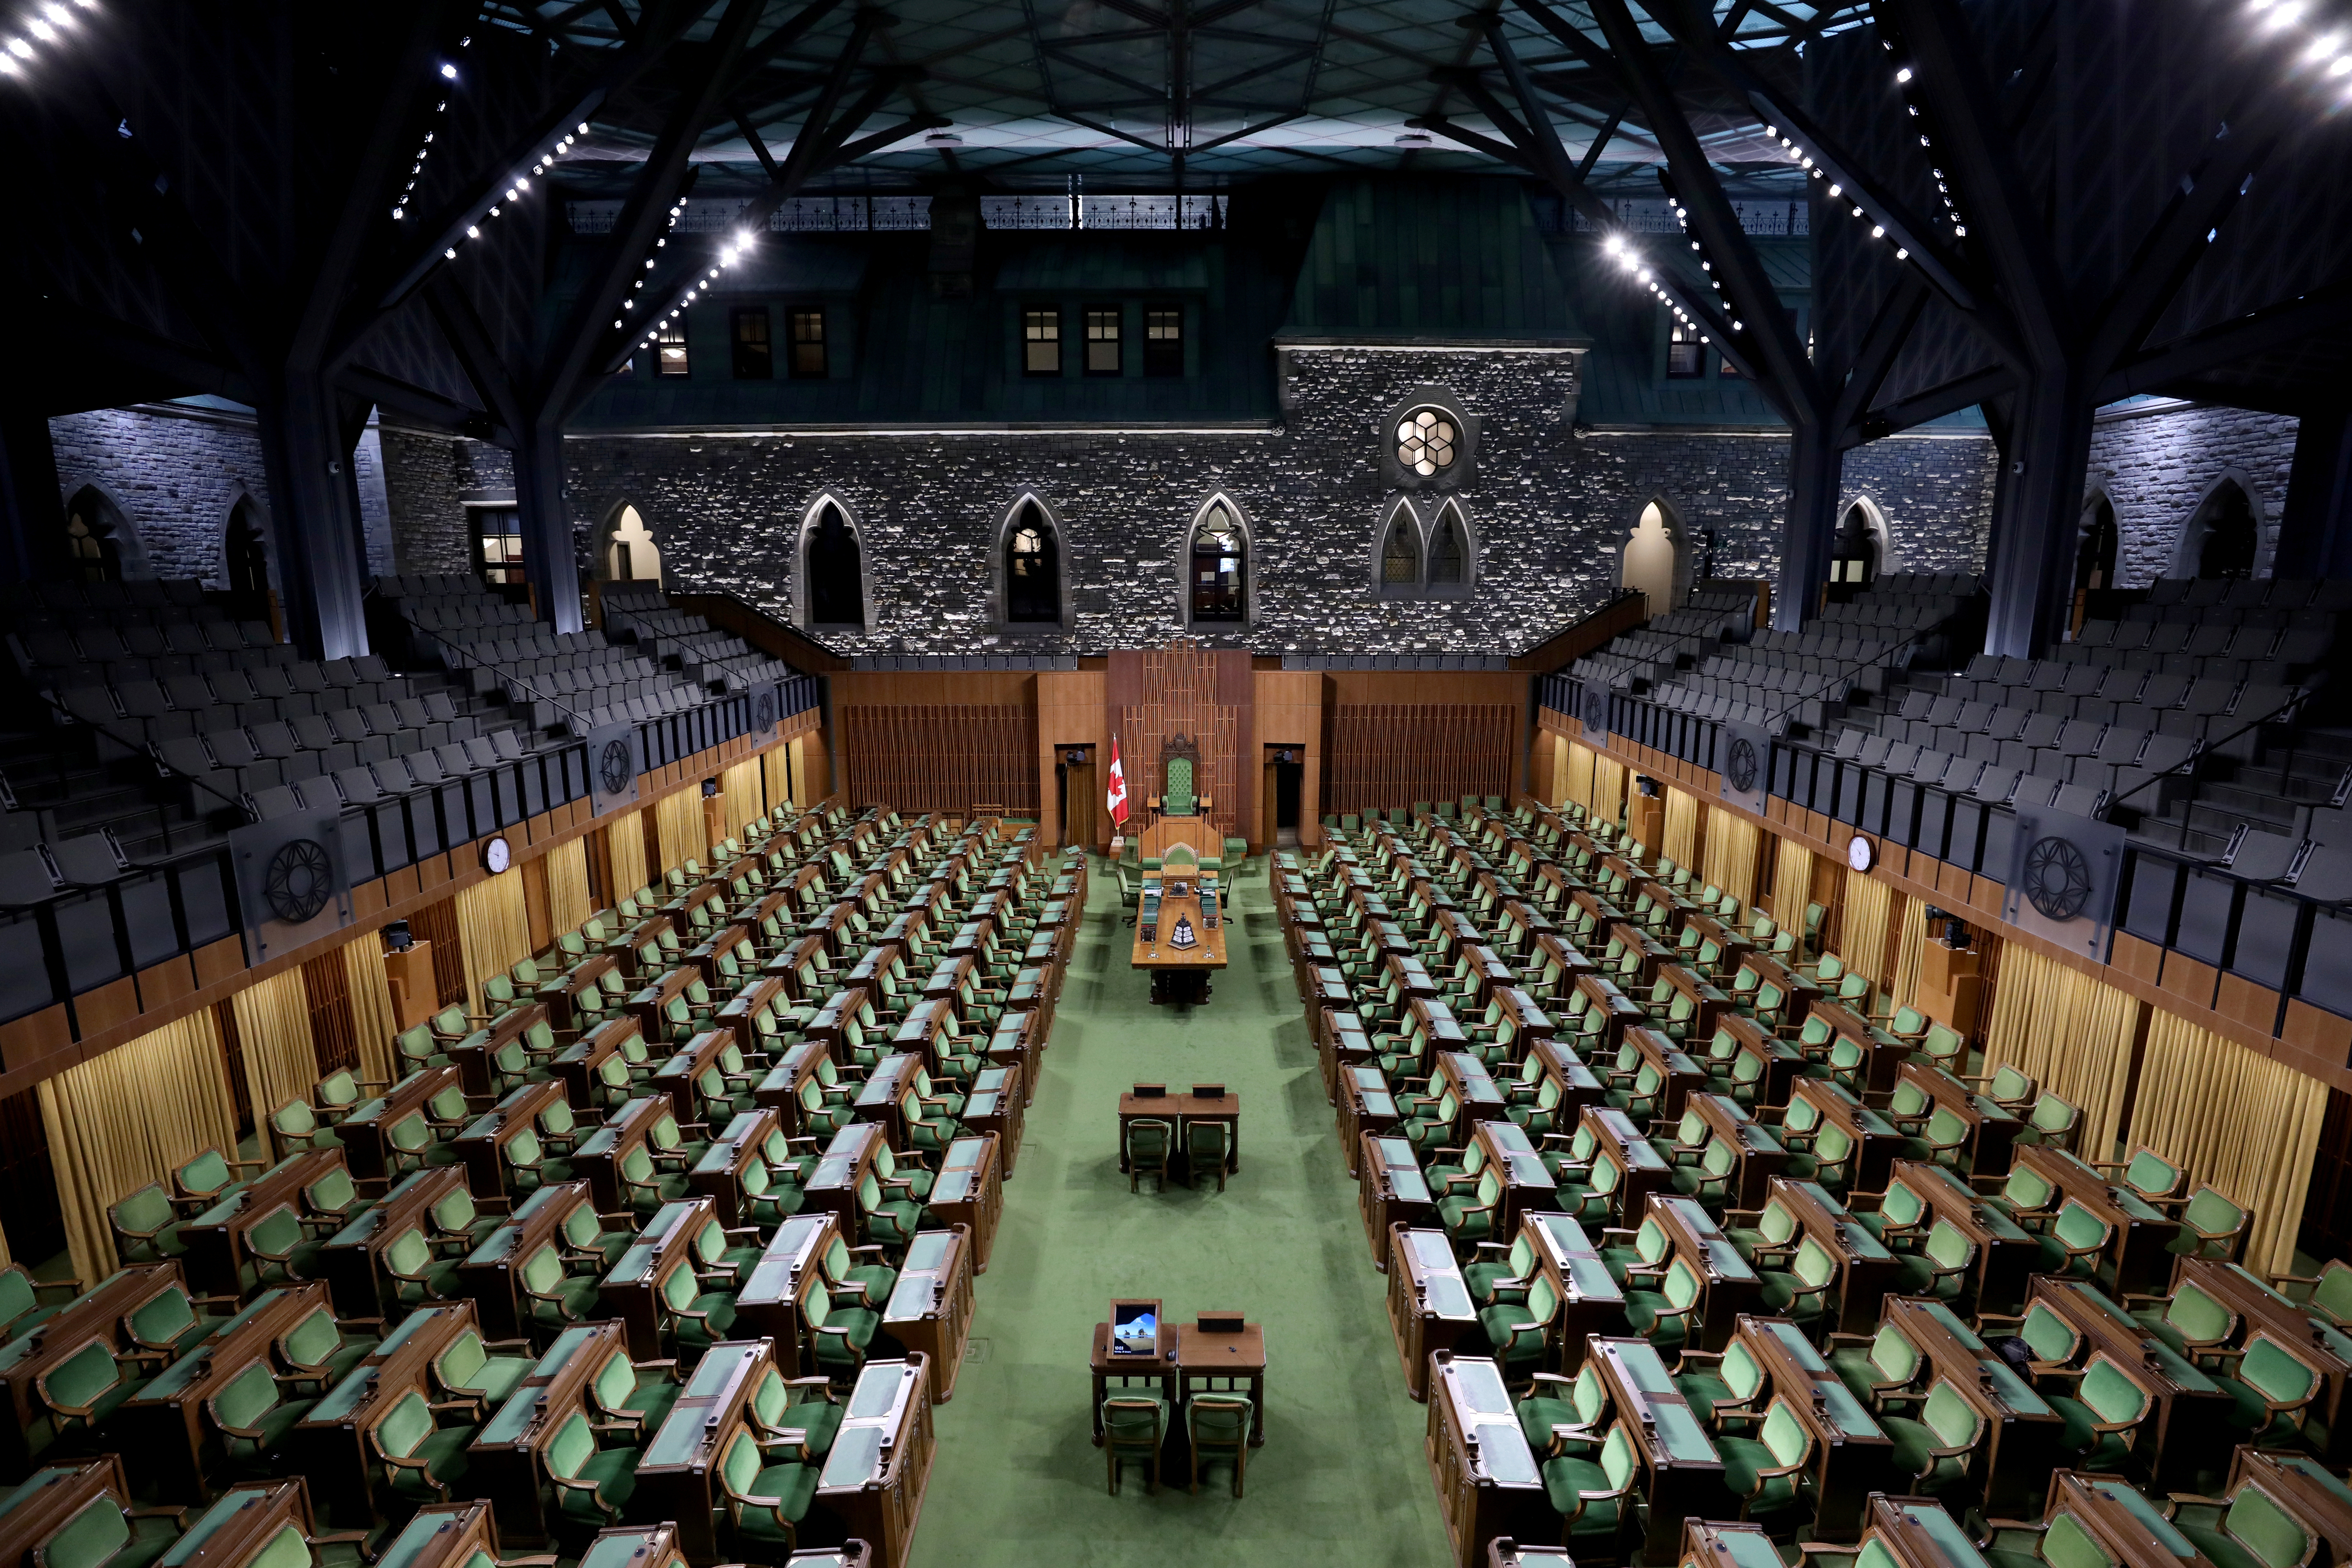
334,1031
925,757
1181,697
1379,755
437,923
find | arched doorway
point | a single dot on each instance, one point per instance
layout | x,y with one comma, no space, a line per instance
1855,558
94,529
2228,537
1649,563
835,572
245,561
1033,569
2095,557
630,553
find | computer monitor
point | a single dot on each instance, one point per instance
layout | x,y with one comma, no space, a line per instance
1135,1328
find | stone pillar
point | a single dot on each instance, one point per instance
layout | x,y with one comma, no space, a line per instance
2315,528
1816,468
314,515
549,560
32,513
2037,509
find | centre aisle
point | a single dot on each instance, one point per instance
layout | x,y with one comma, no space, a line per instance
1342,1479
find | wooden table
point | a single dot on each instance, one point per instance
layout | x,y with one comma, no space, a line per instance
1684,1473
503,1461
771,1302
1179,1110
1853,1454
1527,1186
1113,1369
1489,1486
880,1465
349,1261
367,1148
217,1254
995,1103
1728,1284
599,1154
854,1152
162,1428
970,1191
1992,1132
1589,1298
1390,1190
2318,1345
1481,1098
633,1290
1867,1267
930,1310
2021,1432
2185,1430
1430,1308
1641,1169
2006,1253
1365,1106
1224,1363
482,1145
1179,975
2142,1232
491,1274
1760,1155
678,1467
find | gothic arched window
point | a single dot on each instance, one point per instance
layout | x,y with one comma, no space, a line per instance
836,574
1219,571
1033,579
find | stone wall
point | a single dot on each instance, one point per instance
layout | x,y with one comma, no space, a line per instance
175,473
1547,509
2157,462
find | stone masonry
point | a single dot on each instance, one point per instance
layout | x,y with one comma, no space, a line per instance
2158,462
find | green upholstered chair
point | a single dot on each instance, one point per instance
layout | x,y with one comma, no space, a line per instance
2192,1320
647,1188
1940,1268
316,1351
1219,1425
332,1201
295,1125
558,1299
2212,1228
1876,1365
1664,1316
416,1277
1135,1427
1719,1384
1204,1151
1594,1498
765,1503
587,1243
695,1318
2074,1241
1519,1325
1932,1448
840,1331
2154,1178
420,1459
2101,1417
795,1415
2270,1389
2327,1293
1148,1143
254,1419
1495,1263
1800,1292
592,1484
631,1397
167,1325
2054,1122
207,1177
1176,794
1766,1472
2248,1530
458,1224
1646,1258
105,1533
1562,1410
21,1306
466,1372
83,1389
869,1281
283,1253
146,1225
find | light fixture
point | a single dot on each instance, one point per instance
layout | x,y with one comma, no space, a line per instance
449,71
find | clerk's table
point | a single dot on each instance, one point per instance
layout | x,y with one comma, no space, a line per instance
1180,936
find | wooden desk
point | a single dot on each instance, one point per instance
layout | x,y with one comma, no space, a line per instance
1802,995
503,1461
1684,1472
1527,1188
782,1088
1430,1308
930,1310
1180,1110
216,1256
1707,1002
1642,1170
599,1154
476,1055
491,1274
877,1100
2006,1252
1918,1533
1874,1137
2142,1232
1390,1190
2021,1432
1677,1075
162,1429
649,1005
1575,1083
764,994
1018,1041
366,1147
770,1302
1489,1486
1853,1454
1178,974
2319,1346
1760,1155
995,1103
633,1290
1365,1106
2305,1487
2185,1430
1866,1268
1222,1363
854,1151
1482,1099
350,1259
482,1145
1777,1064
1591,1302
244,1526
1728,1285
677,1470
730,939
1117,1369
1882,1056
750,1138
578,1065
566,994
1992,1132
330,1445
2112,1514
873,1480
970,1191
52,1497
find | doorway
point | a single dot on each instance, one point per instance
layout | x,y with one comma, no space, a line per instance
1278,796
1081,802
1649,561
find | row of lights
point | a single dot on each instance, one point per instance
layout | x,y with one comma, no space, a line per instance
732,251
1902,79
2331,48
1629,257
1804,160
52,24
448,72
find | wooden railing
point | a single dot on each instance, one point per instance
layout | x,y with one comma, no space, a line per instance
1620,615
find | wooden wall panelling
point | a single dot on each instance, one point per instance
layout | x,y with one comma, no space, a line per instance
924,742
1396,737
1289,712
1205,695
1070,713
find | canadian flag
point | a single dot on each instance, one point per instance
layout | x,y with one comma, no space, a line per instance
1117,794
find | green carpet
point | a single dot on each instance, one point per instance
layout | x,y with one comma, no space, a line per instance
1341,1478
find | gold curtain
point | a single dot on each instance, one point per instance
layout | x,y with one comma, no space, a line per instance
739,787
1861,929
1576,778
273,1029
625,839
2073,1034
4,1259
371,1016
2236,1119
493,931
776,768
568,904
1731,857
1607,802
1902,987
1793,883
677,819
120,1121
1681,843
